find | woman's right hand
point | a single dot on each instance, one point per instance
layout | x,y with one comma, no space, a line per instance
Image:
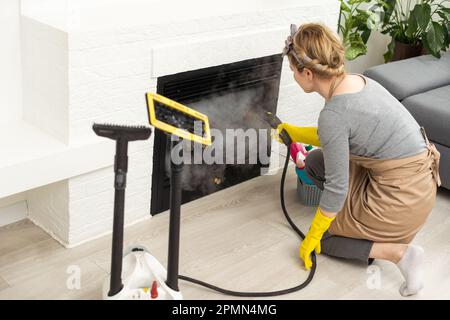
306,135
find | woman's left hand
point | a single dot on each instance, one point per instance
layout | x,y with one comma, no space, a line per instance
319,225
309,244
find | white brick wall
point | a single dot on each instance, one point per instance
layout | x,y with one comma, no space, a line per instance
108,71
92,196
45,78
48,207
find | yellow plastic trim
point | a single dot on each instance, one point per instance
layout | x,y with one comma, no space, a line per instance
206,139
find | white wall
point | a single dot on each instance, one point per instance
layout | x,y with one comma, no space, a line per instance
12,208
10,61
376,47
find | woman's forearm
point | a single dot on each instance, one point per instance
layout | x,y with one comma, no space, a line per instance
328,213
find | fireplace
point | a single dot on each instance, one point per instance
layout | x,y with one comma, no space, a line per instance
233,96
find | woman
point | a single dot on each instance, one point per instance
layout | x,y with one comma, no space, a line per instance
376,167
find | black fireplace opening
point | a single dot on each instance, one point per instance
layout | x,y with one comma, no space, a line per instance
234,96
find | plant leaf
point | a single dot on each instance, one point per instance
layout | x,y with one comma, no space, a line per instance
419,17
389,6
444,13
412,24
354,52
365,35
426,46
390,51
445,9
356,47
443,16
435,38
424,16
352,2
362,16
446,35
373,20
344,6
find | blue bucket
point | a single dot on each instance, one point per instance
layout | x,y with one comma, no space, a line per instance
307,191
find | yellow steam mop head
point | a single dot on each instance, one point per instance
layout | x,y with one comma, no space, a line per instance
175,118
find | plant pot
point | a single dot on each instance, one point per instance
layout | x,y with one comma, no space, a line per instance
406,50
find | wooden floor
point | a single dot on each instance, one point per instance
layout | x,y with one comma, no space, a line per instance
236,238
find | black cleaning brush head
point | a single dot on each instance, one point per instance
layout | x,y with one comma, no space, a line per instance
116,131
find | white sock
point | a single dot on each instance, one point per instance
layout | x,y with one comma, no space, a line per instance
411,266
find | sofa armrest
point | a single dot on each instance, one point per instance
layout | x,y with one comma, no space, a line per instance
412,76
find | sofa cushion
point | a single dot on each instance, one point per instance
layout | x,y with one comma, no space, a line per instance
412,76
432,110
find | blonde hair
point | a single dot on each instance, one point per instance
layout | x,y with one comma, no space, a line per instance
320,50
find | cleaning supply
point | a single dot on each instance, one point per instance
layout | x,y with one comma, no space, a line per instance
303,177
141,270
122,135
311,243
177,119
308,192
301,174
298,154
282,135
172,272
138,269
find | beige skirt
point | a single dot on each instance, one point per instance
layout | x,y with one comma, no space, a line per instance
389,200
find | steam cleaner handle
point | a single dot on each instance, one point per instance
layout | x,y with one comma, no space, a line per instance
284,136
274,122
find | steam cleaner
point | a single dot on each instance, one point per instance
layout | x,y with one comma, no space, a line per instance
138,274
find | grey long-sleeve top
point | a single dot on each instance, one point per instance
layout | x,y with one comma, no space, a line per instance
369,123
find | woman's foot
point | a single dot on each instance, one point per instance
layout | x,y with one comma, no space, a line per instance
411,266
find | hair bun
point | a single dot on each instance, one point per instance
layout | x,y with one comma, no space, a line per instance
322,46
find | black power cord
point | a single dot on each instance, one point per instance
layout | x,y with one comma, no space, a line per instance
271,293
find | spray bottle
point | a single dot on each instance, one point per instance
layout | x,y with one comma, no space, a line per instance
299,152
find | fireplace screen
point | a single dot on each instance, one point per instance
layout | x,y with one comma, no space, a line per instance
234,97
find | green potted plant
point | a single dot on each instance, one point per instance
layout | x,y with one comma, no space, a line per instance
415,27
355,25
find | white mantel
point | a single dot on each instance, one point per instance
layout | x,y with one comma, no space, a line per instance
86,61
95,15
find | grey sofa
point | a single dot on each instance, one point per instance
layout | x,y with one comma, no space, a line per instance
422,84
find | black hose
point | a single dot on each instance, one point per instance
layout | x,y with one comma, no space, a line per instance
271,293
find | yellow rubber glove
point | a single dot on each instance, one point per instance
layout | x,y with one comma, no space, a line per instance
319,225
306,135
